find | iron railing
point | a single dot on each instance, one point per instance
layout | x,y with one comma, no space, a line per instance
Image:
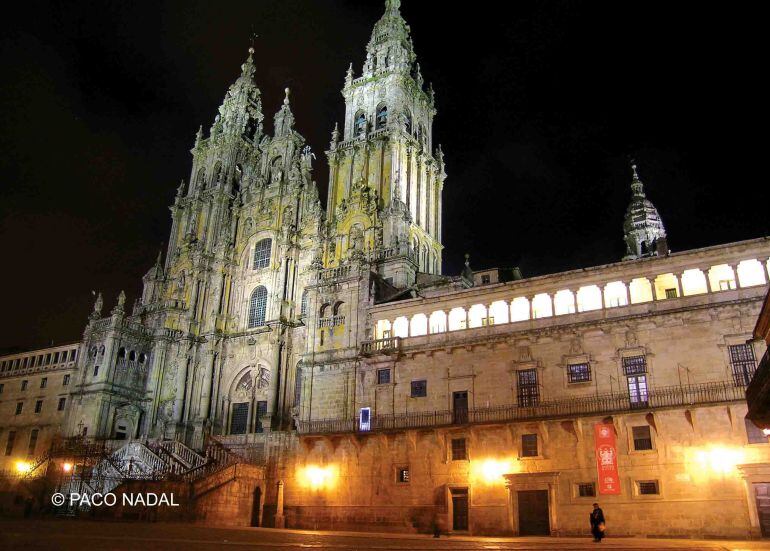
601,404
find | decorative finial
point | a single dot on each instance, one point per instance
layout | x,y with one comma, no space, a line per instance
392,5
349,75
633,168
97,312
336,133
286,97
467,259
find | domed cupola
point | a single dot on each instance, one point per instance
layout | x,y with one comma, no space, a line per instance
643,229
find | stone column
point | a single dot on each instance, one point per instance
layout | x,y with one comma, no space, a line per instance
574,303
280,520
531,306
627,285
765,268
734,268
678,277
705,272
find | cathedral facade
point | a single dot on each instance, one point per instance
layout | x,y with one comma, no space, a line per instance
327,345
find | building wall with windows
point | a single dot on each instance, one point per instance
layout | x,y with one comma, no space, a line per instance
477,408
35,391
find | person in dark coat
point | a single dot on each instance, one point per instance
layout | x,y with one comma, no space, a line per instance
597,523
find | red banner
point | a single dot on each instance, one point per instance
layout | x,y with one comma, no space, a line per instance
606,459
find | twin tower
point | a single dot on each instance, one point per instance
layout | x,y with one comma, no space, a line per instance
260,285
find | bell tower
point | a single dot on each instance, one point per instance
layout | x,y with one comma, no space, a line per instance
386,179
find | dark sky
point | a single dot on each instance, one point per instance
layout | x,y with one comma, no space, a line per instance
539,106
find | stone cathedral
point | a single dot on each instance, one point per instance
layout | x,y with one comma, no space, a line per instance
229,319
288,365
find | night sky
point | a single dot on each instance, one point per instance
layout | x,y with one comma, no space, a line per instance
540,106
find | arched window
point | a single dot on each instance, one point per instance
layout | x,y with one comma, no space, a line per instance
122,352
360,124
382,116
131,356
262,253
142,358
298,385
303,303
323,311
339,308
217,175
408,122
257,307
200,180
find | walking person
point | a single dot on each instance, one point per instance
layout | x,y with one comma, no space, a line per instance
597,523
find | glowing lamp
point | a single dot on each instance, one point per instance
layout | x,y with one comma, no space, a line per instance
719,460
491,471
23,467
66,467
316,477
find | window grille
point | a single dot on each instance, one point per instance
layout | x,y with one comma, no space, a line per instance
383,376
578,373
529,445
648,487
634,365
743,363
459,449
528,389
642,438
419,389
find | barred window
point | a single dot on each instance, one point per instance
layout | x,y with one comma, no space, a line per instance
459,449
19,408
257,307
528,389
262,253
586,489
419,389
634,365
529,445
642,438
38,406
578,373
383,376
743,363
62,403
402,475
648,487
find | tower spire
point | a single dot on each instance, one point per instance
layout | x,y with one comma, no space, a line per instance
284,118
643,229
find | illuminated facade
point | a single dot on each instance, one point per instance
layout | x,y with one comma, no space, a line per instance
328,345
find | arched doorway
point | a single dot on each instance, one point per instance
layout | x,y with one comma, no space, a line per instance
256,507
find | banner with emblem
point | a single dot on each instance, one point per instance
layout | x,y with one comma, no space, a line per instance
606,459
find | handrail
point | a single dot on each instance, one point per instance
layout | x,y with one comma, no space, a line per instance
663,397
